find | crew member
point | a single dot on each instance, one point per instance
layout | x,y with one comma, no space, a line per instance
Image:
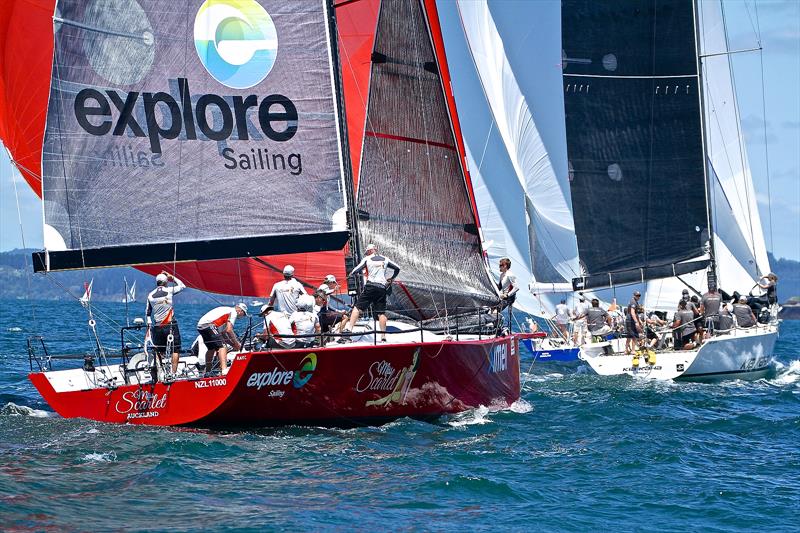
215,327
508,285
562,319
579,321
709,308
597,319
160,316
375,289
633,327
285,293
305,322
277,329
684,319
743,314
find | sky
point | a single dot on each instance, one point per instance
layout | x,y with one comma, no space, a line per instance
777,23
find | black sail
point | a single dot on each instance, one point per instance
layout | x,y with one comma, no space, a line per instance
634,139
412,194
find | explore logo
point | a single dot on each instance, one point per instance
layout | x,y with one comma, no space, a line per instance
236,41
279,377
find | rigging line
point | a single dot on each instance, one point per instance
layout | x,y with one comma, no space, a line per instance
766,143
24,246
747,178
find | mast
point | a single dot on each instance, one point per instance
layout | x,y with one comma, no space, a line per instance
350,194
712,273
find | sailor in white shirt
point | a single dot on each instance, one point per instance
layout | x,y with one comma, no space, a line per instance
284,293
562,319
160,316
375,290
214,327
305,321
277,328
579,331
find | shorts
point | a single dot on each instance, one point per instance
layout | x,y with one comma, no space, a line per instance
631,330
374,295
212,338
686,339
159,334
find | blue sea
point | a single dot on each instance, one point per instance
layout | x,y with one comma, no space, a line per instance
577,453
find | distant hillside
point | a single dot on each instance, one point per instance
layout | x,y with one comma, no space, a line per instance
788,273
16,273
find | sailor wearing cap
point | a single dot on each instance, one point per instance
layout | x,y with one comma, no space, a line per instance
329,283
160,316
743,313
285,293
579,327
276,327
374,294
215,327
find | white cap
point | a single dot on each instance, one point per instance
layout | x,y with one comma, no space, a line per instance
371,246
326,289
161,279
305,302
265,308
242,306
330,278
288,270
743,298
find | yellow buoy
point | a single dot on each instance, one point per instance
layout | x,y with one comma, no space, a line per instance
651,357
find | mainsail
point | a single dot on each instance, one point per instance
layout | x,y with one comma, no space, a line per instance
739,246
634,137
413,198
183,133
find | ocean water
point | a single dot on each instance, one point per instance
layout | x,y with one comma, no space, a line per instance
576,453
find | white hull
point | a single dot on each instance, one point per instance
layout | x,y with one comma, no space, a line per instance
740,354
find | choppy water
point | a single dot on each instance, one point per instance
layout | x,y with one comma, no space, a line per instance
577,453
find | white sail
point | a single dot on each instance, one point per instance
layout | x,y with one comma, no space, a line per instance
132,292
739,247
543,210
87,294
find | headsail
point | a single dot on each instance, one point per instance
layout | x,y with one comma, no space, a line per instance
413,197
171,137
634,139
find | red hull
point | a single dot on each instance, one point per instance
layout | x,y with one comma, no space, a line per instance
341,386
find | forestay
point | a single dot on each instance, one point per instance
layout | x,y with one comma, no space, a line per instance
634,139
180,132
413,197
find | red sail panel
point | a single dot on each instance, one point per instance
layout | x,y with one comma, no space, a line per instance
438,47
356,22
26,57
255,276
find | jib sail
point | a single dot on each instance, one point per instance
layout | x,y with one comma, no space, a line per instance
181,132
413,198
634,139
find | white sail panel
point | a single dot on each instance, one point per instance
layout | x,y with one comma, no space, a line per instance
725,142
551,227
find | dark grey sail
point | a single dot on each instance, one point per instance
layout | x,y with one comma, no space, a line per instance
190,131
412,195
634,139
